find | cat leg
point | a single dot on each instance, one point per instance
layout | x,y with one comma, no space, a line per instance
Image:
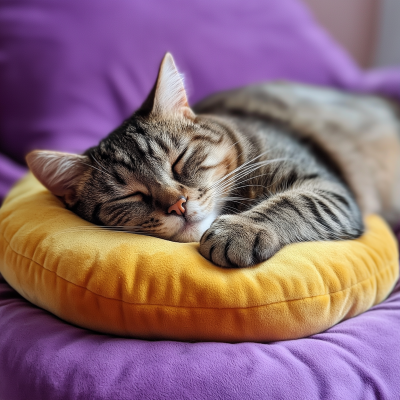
320,210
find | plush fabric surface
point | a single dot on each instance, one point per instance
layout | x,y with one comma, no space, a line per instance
151,288
43,358
72,70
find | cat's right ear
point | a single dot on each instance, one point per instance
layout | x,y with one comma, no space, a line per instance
60,173
168,96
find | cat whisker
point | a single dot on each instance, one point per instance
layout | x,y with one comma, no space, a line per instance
269,150
104,172
247,170
242,202
241,187
235,179
220,190
230,209
236,170
229,185
234,204
101,166
233,198
128,229
224,185
233,144
246,164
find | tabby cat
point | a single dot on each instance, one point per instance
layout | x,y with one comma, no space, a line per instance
245,172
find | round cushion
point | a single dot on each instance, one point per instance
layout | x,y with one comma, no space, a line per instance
146,287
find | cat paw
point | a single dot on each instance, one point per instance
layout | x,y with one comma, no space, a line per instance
234,241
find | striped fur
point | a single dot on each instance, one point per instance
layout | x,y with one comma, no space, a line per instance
259,167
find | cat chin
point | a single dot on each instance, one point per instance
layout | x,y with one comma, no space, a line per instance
189,234
193,231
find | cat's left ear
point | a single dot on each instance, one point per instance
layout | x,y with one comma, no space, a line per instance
60,173
168,96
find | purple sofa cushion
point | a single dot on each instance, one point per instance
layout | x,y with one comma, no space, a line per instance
71,70
43,358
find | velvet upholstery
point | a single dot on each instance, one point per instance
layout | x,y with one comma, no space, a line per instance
71,71
44,358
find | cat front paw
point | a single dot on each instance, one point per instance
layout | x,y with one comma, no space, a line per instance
233,241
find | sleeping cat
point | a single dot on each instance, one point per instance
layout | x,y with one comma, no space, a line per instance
245,172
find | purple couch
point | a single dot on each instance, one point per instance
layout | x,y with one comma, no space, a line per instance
70,71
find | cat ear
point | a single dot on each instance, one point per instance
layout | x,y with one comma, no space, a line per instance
168,95
58,172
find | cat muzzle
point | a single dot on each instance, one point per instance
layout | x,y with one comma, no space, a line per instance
178,206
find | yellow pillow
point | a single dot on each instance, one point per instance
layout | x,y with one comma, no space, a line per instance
151,288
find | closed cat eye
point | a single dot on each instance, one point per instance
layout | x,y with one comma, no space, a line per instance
137,196
175,168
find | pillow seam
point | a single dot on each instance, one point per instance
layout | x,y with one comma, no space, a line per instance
374,276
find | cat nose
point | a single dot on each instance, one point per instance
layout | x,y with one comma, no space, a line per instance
178,206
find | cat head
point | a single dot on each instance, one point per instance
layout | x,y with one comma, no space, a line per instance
159,173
